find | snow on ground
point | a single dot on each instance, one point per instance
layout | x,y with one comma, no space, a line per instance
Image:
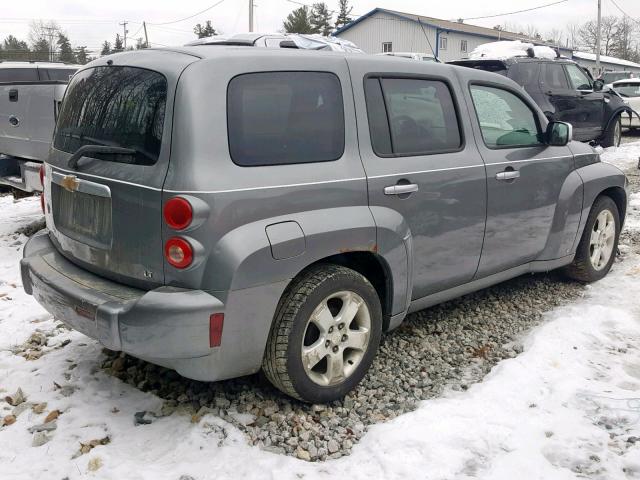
568,407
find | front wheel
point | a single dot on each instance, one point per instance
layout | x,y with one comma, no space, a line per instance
613,136
325,334
597,248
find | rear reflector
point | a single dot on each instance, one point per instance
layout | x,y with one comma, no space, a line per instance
42,202
178,252
178,213
216,322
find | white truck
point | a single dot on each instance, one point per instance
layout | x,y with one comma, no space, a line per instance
30,95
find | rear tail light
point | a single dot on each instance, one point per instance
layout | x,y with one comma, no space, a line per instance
178,252
178,213
42,184
216,322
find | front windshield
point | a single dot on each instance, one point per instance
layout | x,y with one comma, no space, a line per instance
628,89
614,77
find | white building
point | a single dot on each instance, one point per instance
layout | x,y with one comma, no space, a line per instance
607,64
383,30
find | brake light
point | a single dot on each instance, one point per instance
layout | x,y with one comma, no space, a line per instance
178,213
178,252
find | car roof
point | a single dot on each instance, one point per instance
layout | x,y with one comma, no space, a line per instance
627,80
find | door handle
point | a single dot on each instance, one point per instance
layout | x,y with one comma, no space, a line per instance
401,189
508,175
13,95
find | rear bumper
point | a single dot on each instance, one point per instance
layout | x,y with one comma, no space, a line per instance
165,325
20,174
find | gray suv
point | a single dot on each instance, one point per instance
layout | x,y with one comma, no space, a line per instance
218,210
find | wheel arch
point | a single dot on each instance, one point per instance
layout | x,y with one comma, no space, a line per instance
619,196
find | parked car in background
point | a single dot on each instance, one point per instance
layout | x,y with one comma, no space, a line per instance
424,57
30,95
608,78
218,210
629,90
565,92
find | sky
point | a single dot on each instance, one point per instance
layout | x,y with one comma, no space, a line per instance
89,23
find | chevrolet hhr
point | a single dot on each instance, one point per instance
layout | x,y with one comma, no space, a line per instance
218,210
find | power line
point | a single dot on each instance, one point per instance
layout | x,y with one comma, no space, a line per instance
625,13
518,11
190,16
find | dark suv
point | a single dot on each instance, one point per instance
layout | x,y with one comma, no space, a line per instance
565,92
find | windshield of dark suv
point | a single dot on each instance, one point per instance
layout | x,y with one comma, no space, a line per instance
611,77
117,107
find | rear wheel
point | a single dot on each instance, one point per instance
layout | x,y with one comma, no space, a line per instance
325,334
599,243
613,136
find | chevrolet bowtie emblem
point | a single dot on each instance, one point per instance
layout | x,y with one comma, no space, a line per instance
70,183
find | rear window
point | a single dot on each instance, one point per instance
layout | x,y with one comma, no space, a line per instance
8,75
277,118
114,106
56,74
611,77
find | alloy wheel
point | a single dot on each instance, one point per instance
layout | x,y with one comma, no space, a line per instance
336,338
602,240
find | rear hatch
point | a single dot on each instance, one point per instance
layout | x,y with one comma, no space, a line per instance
104,208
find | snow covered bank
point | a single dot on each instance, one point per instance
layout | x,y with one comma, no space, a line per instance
568,406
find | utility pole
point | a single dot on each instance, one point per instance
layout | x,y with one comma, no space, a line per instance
124,26
146,38
599,34
250,15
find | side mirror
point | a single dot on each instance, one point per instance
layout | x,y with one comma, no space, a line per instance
559,134
598,85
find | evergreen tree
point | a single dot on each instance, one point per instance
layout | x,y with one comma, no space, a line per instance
298,21
41,51
320,19
14,49
344,14
65,52
82,56
117,45
106,48
206,31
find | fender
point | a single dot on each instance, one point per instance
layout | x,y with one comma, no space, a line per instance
615,113
596,178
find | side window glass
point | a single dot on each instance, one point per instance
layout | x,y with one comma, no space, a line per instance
421,117
505,120
579,79
377,115
554,77
277,118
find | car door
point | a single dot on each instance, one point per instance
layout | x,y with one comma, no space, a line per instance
589,115
564,102
424,179
524,177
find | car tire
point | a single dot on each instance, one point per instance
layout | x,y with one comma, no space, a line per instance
597,249
613,136
325,334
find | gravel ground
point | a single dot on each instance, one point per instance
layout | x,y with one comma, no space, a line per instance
448,346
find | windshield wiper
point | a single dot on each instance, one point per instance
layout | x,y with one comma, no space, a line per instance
104,149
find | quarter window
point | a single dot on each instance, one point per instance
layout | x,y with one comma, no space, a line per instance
579,79
505,120
554,77
411,117
276,118
387,47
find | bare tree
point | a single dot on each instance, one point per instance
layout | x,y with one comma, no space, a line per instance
554,36
625,42
588,34
572,32
41,31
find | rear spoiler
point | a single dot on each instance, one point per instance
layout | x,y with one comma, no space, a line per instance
486,65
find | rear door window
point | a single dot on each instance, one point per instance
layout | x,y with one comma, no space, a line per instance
114,106
554,77
8,75
277,118
505,120
411,116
